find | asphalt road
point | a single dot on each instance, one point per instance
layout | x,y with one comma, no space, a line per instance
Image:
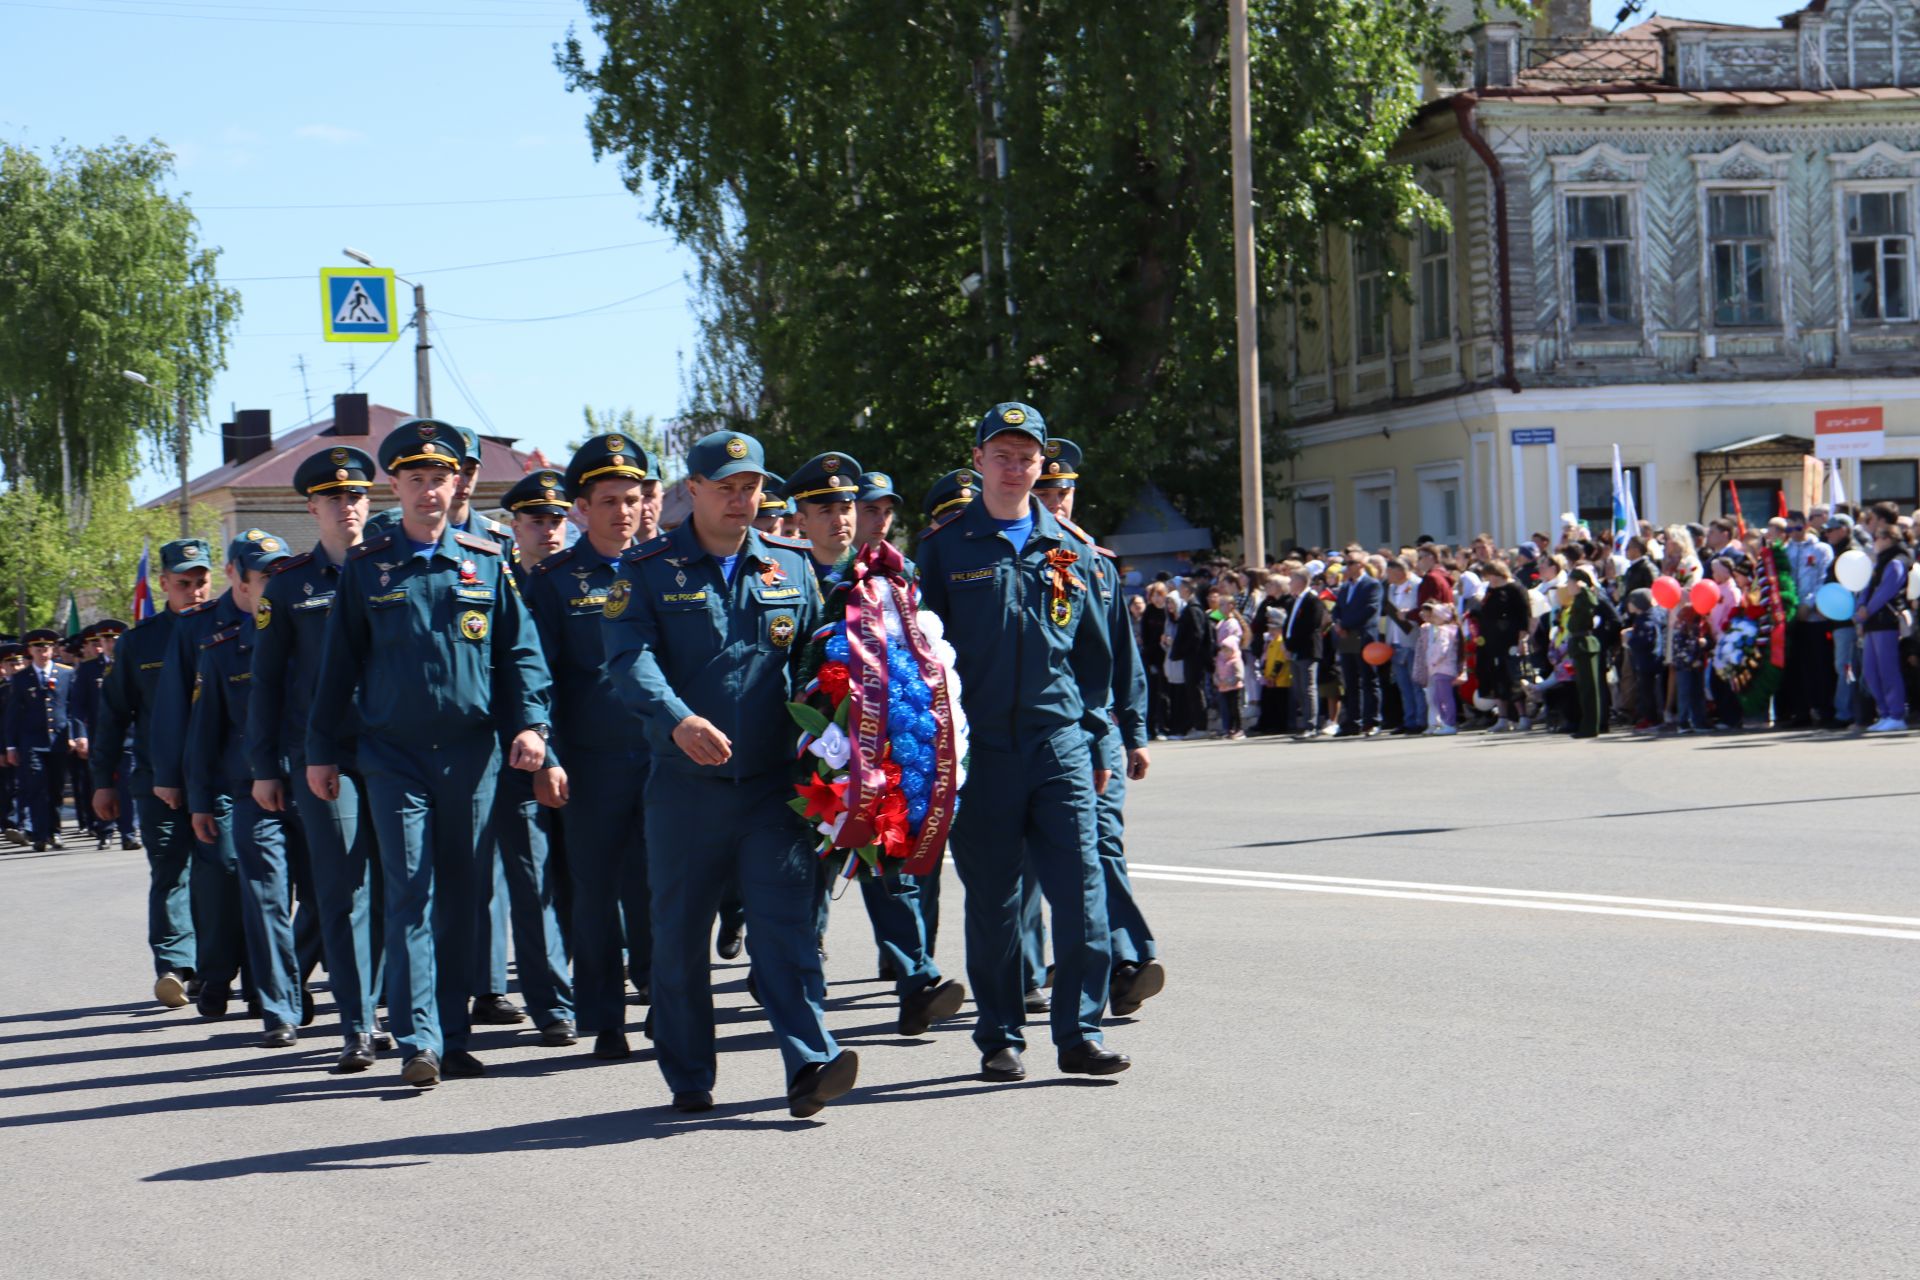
1394,1044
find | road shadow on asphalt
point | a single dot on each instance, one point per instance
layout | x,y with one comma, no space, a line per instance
611,1128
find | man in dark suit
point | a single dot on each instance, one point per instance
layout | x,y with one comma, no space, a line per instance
1300,632
1356,624
1193,648
41,731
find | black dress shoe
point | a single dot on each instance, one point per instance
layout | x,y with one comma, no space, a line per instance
422,1070
693,1100
382,1038
279,1037
821,1082
730,941
461,1065
559,1033
1003,1065
306,1007
1091,1058
39,846
194,986
496,1011
612,1046
1134,984
929,1005
129,842
1038,1001
213,1001
357,1056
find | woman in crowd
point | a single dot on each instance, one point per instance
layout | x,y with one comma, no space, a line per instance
1153,655
1505,620
1878,622
1229,662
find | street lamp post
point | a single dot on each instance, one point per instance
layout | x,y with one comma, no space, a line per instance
422,379
182,445
1253,521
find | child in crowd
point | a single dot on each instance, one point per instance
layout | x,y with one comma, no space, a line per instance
1440,664
1643,657
1692,646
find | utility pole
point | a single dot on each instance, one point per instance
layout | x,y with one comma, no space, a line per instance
1246,293
184,425
422,379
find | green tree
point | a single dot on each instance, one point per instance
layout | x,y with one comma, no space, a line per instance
903,214
101,271
42,564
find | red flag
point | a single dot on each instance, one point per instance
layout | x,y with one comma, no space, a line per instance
1780,502
1739,519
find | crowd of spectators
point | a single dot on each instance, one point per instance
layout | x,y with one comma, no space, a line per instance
1692,628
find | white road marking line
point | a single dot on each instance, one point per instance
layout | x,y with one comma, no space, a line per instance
1793,912
1535,904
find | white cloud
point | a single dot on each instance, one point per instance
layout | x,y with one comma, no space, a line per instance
329,133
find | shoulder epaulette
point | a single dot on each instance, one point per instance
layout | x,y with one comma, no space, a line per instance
942,522
221,636
789,544
555,560
486,546
295,562
1084,536
648,549
202,607
372,545
63,666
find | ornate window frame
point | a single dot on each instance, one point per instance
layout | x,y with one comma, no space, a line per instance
1602,170
1879,166
1744,168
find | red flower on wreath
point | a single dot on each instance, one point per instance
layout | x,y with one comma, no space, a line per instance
891,772
890,825
834,679
824,799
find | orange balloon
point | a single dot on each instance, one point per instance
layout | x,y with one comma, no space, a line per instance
1378,654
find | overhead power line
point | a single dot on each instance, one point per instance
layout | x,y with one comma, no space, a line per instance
470,266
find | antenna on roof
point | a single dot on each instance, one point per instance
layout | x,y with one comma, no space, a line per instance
300,363
1627,10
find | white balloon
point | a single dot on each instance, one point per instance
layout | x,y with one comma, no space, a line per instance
1853,570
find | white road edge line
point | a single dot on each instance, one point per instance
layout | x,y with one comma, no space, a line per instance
1532,893
1911,935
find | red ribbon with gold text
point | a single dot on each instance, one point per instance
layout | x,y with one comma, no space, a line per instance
867,665
932,842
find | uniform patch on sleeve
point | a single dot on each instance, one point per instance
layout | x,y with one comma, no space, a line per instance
617,597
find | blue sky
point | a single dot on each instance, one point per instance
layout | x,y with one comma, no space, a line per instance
304,128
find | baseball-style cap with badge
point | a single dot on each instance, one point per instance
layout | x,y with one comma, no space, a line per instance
255,550
611,456
538,494
341,468
829,477
720,454
420,442
469,444
1059,464
185,553
876,485
952,490
1012,416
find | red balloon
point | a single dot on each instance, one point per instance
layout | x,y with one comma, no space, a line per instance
1705,597
1666,591
1378,654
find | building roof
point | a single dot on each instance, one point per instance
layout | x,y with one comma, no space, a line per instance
1634,56
500,462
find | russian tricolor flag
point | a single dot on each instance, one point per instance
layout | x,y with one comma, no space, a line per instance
142,589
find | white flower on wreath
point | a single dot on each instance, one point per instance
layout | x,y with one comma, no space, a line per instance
831,830
832,746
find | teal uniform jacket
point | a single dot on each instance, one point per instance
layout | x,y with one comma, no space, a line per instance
436,646
566,593
216,757
1128,705
286,663
682,641
127,695
1025,670
173,698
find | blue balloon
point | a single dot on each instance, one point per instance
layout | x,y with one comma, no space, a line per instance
1835,601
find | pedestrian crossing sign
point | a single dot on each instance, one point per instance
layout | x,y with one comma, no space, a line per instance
357,304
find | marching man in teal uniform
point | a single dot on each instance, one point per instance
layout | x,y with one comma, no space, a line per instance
1013,588
705,627
427,636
